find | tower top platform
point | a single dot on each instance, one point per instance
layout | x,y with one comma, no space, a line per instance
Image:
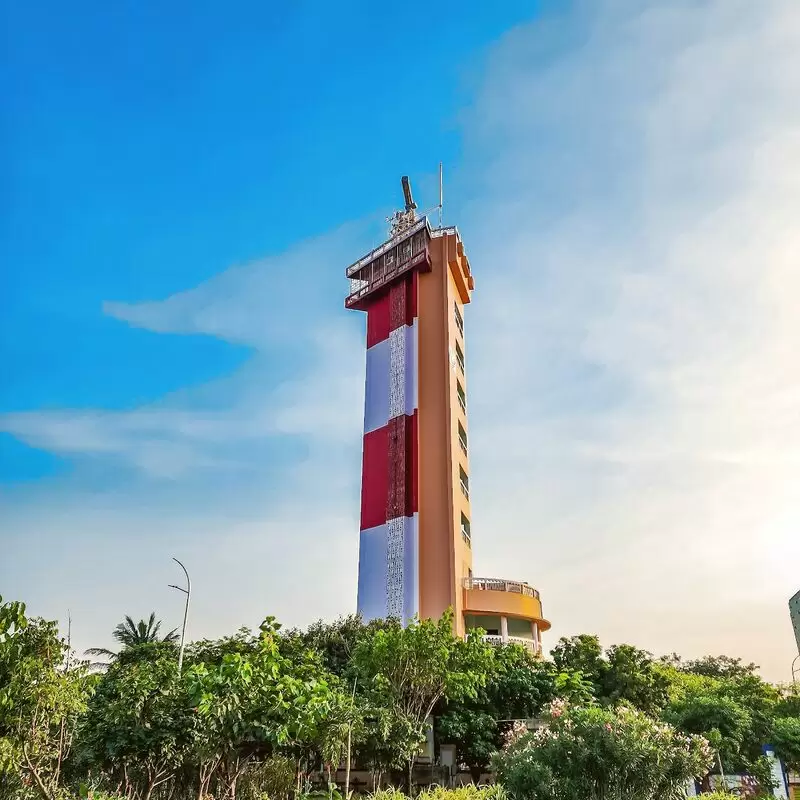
406,251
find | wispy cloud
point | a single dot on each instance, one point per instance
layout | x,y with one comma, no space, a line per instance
631,216
635,417
287,308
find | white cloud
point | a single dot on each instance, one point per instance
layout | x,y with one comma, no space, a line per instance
287,308
635,426
636,252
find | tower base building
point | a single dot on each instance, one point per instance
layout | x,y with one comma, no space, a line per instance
415,551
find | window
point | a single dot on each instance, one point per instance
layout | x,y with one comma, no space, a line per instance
464,482
460,356
459,319
465,533
462,438
462,397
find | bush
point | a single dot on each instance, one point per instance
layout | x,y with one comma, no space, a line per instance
595,753
469,792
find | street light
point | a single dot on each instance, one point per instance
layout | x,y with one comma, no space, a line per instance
187,591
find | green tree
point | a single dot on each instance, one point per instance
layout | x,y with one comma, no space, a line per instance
518,686
138,728
132,634
41,697
600,753
408,670
623,674
632,676
786,740
582,654
335,642
253,703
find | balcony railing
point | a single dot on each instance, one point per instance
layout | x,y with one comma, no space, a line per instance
463,446
495,640
499,585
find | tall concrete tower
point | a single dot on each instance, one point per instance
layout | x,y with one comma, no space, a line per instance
415,555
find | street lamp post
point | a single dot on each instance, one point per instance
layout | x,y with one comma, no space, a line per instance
188,592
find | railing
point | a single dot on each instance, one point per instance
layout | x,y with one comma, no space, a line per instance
499,585
496,641
387,245
465,489
463,403
463,445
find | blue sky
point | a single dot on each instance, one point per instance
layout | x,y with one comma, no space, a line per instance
183,189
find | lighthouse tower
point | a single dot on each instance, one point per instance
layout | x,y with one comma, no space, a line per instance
415,554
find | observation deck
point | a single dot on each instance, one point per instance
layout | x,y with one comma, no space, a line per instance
509,611
408,250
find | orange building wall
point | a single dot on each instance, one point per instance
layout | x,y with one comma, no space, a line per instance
444,558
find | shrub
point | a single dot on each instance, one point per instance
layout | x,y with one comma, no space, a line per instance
600,754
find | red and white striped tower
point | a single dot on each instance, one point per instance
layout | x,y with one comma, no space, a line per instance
415,556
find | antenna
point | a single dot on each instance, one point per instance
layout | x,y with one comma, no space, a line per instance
410,204
441,194
402,220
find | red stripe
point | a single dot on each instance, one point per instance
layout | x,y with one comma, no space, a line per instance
392,309
389,473
412,493
374,478
397,467
378,319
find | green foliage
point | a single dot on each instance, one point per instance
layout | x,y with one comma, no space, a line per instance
470,792
406,671
265,715
139,726
786,740
518,686
41,698
599,753
623,674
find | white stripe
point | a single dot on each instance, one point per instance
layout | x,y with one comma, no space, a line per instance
391,384
388,570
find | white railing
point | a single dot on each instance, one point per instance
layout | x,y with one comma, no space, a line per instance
465,489
496,641
463,445
500,585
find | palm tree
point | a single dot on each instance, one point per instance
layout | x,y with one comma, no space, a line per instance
130,634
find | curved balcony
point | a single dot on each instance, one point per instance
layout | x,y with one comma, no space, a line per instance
509,611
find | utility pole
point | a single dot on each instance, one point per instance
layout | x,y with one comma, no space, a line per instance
188,592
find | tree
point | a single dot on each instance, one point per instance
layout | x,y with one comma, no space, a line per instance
518,686
633,677
719,667
597,753
406,671
786,740
132,634
581,654
138,728
252,703
623,674
335,642
41,697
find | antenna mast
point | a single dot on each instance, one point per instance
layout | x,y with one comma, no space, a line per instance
441,194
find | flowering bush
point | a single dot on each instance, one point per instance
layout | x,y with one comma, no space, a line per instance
601,754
